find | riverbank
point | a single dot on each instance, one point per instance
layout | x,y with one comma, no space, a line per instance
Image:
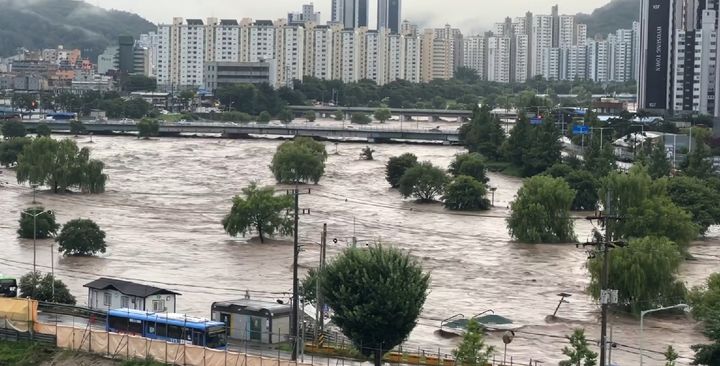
36,354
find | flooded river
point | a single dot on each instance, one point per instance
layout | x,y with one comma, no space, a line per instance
165,199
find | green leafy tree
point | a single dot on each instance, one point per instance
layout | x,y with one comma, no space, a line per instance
44,223
599,160
466,74
259,209
541,211
518,142
644,273
11,148
13,128
698,163
43,130
471,165
705,299
285,116
299,161
39,287
367,153
186,98
657,162
133,83
81,237
148,127
308,286
25,102
483,134
264,117
709,354
60,165
544,149
578,353
360,118
466,194
77,127
423,182
646,209
136,108
339,116
376,295
382,114
473,351
396,167
586,187
310,116
696,197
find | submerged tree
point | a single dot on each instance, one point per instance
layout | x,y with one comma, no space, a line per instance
81,237
424,182
396,167
38,223
466,194
541,211
259,210
473,351
36,286
299,161
471,165
367,153
376,295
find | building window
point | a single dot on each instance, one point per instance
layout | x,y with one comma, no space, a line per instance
124,302
158,305
107,299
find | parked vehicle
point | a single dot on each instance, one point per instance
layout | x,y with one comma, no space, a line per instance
8,286
174,328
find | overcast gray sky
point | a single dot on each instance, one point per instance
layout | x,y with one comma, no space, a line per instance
469,15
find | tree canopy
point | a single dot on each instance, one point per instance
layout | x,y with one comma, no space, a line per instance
42,226
533,148
81,237
696,197
376,295
483,134
472,351
657,162
396,167
382,114
11,148
582,182
578,353
43,130
705,299
424,182
541,211
466,194
60,165
644,273
299,161
147,128
360,118
13,128
39,287
259,209
471,165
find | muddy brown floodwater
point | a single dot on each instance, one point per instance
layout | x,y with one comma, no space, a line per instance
165,199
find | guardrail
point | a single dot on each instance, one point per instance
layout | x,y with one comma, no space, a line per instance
72,310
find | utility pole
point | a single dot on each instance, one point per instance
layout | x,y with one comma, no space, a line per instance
296,250
607,296
320,314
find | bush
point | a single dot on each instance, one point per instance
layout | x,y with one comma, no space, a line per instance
466,194
148,127
471,165
11,148
339,116
705,299
310,116
285,116
423,182
81,237
13,128
39,287
236,117
42,129
541,212
77,127
396,167
382,115
360,118
264,117
44,222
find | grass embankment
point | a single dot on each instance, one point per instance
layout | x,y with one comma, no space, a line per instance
35,354
25,353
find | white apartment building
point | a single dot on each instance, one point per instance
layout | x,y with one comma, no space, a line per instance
395,64
375,54
349,54
636,50
621,61
257,40
598,56
521,50
322,52
150,41
181,53
412,45
498,59
576,58
552,64
581,35
222,40
289,54
474,54
566,38
541,40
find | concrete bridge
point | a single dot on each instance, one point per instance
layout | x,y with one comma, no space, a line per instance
237,130
404,113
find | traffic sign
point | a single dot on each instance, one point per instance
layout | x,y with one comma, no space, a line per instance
581,130
536,121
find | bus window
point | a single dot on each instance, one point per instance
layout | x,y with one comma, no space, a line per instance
116,324
175,332
215,338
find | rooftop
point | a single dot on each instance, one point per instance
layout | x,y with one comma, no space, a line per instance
128,288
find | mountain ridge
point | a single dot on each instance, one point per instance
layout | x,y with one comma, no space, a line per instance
617,14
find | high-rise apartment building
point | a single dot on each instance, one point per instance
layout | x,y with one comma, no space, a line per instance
542,39
222,40
657,18
308,14
350,13
474,54
181,55
389,15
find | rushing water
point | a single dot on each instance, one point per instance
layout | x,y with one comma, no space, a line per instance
165,199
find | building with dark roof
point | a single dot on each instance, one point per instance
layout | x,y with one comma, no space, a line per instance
108,293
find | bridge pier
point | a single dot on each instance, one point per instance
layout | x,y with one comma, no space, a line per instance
460,120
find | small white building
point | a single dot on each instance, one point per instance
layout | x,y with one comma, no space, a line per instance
107,293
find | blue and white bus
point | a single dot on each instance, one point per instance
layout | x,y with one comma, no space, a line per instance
175,328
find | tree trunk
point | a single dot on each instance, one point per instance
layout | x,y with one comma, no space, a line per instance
378,357
55,187
259,229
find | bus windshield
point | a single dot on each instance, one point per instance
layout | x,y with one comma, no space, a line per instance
216,338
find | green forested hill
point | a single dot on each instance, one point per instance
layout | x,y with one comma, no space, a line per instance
611,17
37,24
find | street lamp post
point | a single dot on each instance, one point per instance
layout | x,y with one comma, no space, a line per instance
52,247
642,315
